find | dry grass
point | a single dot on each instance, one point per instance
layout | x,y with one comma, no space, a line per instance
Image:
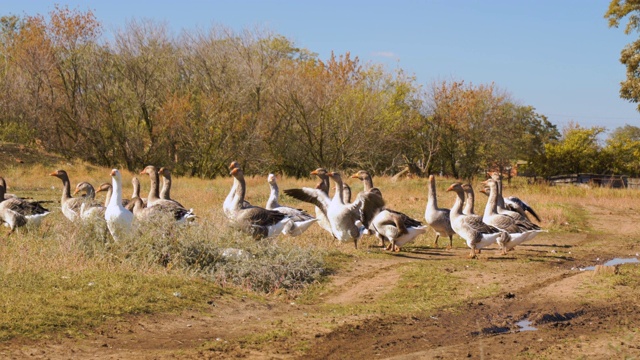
64,277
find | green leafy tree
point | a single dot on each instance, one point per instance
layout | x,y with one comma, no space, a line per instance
630,54
577,151
623,150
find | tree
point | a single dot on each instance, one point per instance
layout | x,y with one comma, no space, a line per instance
623,150
630,55
577,151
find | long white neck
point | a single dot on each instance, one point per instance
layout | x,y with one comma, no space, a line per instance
272,202
490,208
338,195
116,196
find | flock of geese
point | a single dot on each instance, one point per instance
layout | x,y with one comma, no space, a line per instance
505,221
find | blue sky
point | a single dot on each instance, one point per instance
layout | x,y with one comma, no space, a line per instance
557,56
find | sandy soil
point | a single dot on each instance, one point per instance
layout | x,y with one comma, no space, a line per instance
550,294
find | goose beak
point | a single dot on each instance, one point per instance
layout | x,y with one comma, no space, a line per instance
314,172
450,188
55,173
75,192
354,176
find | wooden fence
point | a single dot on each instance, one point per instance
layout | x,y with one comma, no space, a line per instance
595,180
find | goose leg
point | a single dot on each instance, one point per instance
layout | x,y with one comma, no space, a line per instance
435,243
450,242
472,255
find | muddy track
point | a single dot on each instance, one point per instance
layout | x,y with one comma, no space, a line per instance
548,292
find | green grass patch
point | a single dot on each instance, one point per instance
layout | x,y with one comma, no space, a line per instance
35,303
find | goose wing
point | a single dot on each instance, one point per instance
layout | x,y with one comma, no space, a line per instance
316,197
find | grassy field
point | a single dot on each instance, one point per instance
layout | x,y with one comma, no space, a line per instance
64,277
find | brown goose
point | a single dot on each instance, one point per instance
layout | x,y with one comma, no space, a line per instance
16,212
396,227
301,219
89,190
165,192
257,221
69,205
346,219
436,217
154,178
96,211
135,194
470,200
367,181
389,225
471,228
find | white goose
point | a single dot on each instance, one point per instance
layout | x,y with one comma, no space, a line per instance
118,218
301,219
257,221
438,218
16,212
471,228
346,219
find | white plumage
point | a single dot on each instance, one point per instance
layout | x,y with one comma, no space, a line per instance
118,218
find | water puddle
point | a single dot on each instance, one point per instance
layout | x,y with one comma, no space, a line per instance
613,262
525,325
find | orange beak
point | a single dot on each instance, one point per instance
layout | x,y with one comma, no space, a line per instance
314,172
354,176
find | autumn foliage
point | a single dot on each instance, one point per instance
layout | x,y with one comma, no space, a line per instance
197,100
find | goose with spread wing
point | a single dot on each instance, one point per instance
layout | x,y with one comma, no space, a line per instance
345,219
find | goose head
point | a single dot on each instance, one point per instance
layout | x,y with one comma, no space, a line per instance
149,169
321,173
164,172
60,174
115,173
361,175
83,186
103,187
271,179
